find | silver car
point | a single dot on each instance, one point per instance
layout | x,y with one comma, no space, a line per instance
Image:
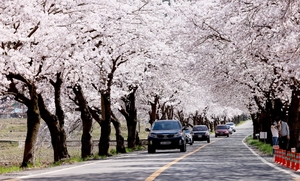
189,137
232,126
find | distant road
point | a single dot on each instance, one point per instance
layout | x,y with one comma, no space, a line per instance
221,159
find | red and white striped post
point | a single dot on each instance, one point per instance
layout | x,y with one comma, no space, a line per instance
297,165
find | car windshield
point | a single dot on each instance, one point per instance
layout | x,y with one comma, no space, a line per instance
200,128
221,127
230,124
166,125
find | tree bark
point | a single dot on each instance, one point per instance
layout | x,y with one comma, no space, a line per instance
55,122
57,132
130,114
105,124
294,120
33,124
167,112
255,121
119,138
153,113
33,115
87,122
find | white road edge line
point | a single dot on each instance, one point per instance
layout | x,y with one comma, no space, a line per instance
60,170
268,163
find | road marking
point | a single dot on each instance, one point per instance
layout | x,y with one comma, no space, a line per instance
58,170
162,169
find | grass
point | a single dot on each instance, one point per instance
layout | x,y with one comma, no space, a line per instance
10,169
241,122
261,146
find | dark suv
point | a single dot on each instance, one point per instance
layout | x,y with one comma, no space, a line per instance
201,133
166,134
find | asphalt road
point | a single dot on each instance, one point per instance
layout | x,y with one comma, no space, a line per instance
221,159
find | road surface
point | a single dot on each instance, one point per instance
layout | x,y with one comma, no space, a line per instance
224,158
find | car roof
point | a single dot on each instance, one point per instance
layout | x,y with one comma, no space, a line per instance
221,125
165,120
202,125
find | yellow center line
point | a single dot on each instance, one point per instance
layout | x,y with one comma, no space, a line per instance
162,169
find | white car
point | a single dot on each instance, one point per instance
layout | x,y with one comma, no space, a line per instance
230,130
232,126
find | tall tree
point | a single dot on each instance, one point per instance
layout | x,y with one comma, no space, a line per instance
55,122
130,114
33,113
87,122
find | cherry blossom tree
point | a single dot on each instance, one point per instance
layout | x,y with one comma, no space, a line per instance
207,61
253,52
35,66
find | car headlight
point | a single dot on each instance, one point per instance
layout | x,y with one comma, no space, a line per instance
178,134
152,135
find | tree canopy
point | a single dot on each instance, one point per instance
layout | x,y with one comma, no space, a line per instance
224,57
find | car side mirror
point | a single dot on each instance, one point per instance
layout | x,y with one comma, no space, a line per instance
147,130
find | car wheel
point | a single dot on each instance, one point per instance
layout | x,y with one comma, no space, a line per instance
191,143
151,149
216,136
228,135
183,148
208,140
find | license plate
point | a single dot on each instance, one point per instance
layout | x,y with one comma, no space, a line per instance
165,142
199,136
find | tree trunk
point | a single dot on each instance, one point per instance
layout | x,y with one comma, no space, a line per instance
167,112
57,132
33,124
33,114
87,122
294,120
255,122
105,125
55,122
119,138
130,114
153,113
